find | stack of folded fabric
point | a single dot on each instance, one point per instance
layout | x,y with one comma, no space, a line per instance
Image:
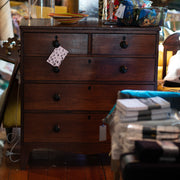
155,151
155,108
140,132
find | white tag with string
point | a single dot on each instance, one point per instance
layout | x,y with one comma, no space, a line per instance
120,11
102,133
57,56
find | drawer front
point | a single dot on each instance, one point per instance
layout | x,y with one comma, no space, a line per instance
125,69
73,96
90,69
54,127
115,44
71,68
42,43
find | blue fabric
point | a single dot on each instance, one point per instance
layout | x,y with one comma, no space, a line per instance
146,94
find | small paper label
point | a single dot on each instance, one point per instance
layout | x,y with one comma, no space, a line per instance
102,133
57,56
120,11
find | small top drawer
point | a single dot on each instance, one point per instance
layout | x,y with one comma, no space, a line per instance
124,44
42,43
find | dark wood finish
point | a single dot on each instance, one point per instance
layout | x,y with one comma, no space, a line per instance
171,43
110,44
80,130
72,97
63,108
42,43
90,69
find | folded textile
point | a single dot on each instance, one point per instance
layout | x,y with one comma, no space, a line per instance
144,112
129,93
171,96
135,104
160,116
154,151
155,108
135,132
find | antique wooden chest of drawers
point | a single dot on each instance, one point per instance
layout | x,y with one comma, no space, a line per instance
62,108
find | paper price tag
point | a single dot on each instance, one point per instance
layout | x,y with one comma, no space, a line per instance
120,11
102,133
57,56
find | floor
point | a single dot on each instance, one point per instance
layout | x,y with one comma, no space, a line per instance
52,165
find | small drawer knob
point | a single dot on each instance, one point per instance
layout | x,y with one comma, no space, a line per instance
56,43
89,87
123,69
123,43
89,61
56,69
56,128
56,97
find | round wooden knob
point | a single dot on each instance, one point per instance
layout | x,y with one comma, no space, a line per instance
56,97
56,43
89,61
123,43
123,69
56,128
56,69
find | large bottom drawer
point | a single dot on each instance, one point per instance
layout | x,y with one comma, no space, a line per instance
85,97
65,127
